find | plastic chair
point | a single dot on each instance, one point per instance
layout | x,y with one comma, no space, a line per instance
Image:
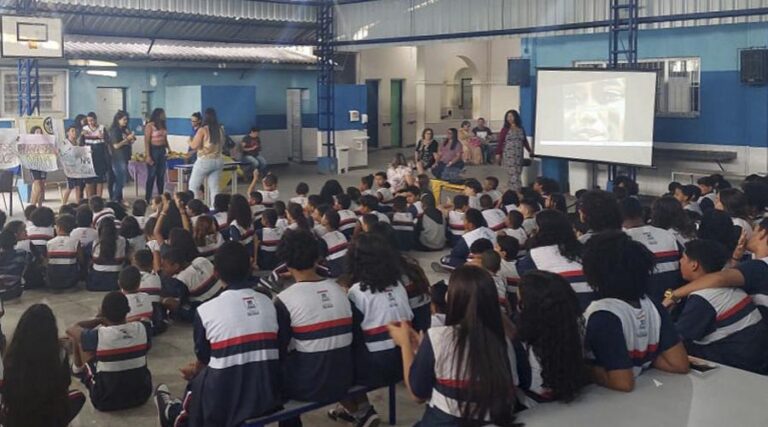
8,185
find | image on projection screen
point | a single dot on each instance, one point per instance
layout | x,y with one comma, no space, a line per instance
604,116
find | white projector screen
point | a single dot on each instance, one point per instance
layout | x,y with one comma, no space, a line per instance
601,116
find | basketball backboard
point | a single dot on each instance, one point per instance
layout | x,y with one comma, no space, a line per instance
31,37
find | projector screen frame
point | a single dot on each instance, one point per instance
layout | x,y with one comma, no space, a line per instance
574,159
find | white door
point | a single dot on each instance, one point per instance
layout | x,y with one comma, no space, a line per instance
108,101
293,123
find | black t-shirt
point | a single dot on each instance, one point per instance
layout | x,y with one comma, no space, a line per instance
427,151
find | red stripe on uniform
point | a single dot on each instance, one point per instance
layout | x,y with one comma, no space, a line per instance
112,352
453,383
639,354
665,254
263,336
61,254
322,325
139,316
572,273
735,309
376,331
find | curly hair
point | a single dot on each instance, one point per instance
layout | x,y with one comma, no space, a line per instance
667,213
551,323
555,229
373,262
601,210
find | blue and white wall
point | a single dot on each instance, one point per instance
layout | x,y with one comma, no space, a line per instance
243,98
734,117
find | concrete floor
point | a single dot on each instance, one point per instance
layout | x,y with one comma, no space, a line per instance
174,349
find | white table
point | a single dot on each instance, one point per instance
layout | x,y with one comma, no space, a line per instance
725,397
185,170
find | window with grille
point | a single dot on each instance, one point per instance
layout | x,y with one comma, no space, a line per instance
678,86
53,92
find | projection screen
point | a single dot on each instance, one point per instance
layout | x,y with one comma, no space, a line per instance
601,116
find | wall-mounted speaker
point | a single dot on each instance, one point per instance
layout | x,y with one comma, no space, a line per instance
754,66
519,72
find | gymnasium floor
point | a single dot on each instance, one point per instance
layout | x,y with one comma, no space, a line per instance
174,349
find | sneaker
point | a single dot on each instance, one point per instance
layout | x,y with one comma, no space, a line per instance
370,419
439,268
163,400
339,414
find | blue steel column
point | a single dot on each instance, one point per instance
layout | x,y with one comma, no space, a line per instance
325,50
28,74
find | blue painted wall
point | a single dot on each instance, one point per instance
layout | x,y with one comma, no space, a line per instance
731,113
266,106
347,98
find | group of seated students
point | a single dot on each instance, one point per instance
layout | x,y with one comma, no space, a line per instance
537,302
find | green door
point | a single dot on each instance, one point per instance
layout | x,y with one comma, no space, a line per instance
396,112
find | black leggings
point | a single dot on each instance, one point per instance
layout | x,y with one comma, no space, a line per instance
155,172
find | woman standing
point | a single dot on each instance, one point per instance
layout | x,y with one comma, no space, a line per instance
512,140
426,149
449,162
38,178
155,149
121,139
208,142
37,378
95,136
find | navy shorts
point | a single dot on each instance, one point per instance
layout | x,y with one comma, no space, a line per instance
73,183
39,175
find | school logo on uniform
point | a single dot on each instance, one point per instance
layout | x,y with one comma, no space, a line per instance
250,307
642,322
325,299
391,299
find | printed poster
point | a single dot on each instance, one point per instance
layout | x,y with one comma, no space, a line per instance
38,125
77,162
8,156
38,152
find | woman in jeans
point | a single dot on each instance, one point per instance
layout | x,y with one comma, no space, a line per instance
155,149
121,139
208,142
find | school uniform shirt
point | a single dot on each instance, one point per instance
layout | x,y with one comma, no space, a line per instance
142,220
38,238
318,230
529,225
495,218
620,336
433,376
235,336
199,280
508,272
416,209
315,336
221,221
666,251
347,221
102,215
385,196
300,200
456,222
118,376
707,201
745,225
693,207
549,258
141,307
474,202
85,235
377,359
238,233
460,251
755,274
336,250
431,233
517,233
212,244
722,325
268,198
282,223
382,217
63,271
104,272
495,195
510,208
151,285
419,303
24,245
530,390
12,265
256,212
269,238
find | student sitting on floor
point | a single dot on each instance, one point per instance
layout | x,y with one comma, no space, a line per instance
266,240
41,230
455,218
378,298
412,196
555,248
417,286
475,229
550,356
513,227
482,390
490,261
662,243
366,186
207,239
473,189
236,371
297,220
490,187
317,218
529,208
100,211
111,356
187,283
688,196
507,248
139,211
599,211
626,332
347,217
370,205
315,326
150,280
510,201
494,217
302,191
108,254
269,191
143,308
220,212
383,192
430,227
64,255
240,222
335,244
708,197
84,232
129,228
403,224
721,325
438,304
13,262
196,209
255,200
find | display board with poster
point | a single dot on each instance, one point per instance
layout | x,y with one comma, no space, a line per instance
9,158
38,152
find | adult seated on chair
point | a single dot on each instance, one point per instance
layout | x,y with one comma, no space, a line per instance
252,151
449,157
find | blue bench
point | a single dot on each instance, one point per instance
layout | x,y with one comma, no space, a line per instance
294,408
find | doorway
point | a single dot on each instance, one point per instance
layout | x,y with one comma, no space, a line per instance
294,124
372,87
108,101
465,101
396,112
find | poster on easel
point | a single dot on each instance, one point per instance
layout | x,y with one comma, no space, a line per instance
9,158
38,152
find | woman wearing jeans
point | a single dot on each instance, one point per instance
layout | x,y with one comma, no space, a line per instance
155,149
121,139
208,142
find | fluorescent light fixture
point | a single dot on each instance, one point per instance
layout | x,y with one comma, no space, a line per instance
102,73
90,63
